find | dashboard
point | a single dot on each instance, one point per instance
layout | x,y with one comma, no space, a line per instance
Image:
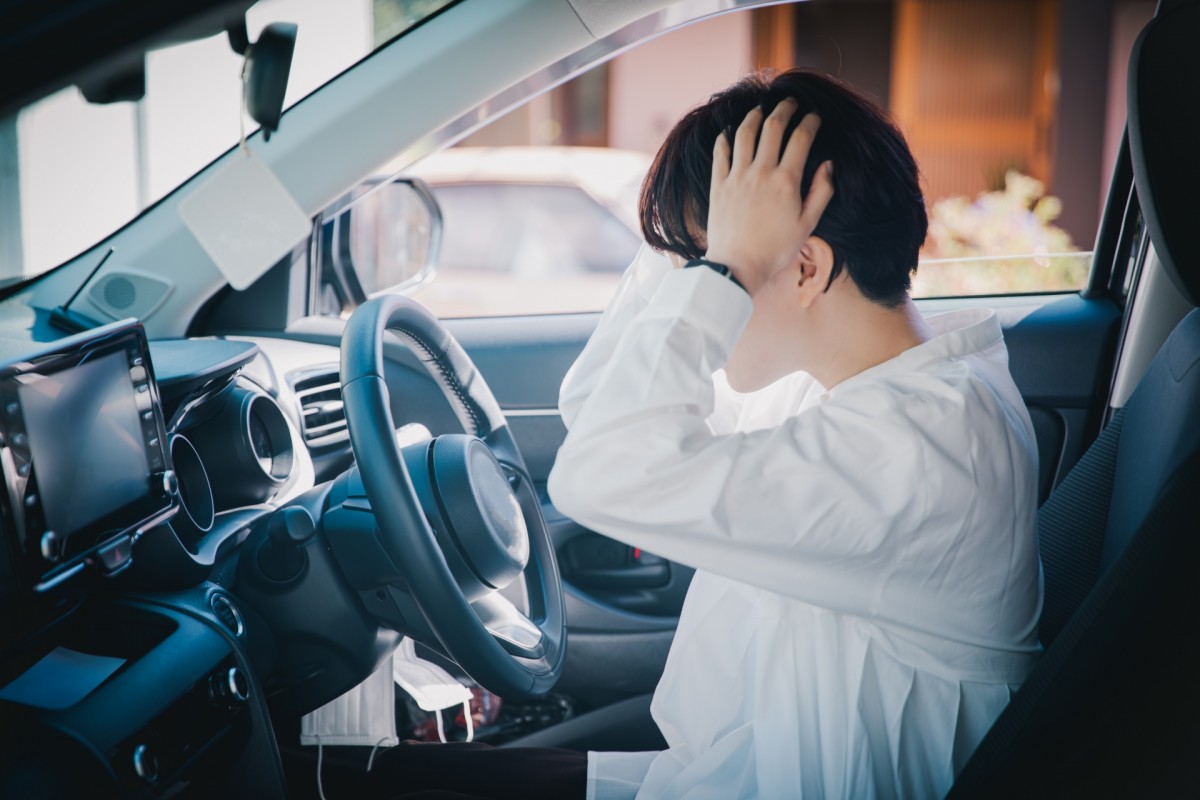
133,474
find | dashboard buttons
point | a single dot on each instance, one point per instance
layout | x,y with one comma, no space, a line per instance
115,555
229,688
49,546
168,482
145,764
239,685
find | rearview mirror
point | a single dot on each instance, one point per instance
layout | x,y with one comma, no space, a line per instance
384,237
268,64
267,67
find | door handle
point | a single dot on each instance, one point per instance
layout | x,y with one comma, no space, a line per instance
597,562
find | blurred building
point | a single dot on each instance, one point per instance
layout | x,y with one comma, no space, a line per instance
977,86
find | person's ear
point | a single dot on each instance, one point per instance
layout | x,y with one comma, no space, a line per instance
815,262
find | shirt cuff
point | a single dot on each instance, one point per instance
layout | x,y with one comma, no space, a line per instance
705,299
617,776
650,267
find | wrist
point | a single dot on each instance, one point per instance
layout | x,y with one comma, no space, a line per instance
743,276
722,269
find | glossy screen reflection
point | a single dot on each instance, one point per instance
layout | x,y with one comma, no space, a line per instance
86,441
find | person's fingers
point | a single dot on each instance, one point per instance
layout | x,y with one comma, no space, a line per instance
743,141
720,169
772,133
796,154
818,197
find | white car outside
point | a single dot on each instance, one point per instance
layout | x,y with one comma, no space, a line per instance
531,230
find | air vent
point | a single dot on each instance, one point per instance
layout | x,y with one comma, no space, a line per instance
228,613
321,408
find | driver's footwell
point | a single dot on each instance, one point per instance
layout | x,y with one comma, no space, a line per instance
479,771
454,771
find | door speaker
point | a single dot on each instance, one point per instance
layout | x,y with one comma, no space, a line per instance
128,294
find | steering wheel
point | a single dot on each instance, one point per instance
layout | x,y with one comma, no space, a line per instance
457,515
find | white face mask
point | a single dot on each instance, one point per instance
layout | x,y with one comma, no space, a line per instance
365,715
429,685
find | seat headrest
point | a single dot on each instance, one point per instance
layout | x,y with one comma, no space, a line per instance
1164,140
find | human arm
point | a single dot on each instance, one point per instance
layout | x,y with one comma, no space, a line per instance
640,463
804,509
633,293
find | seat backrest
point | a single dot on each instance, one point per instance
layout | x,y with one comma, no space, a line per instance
1090,518
1161,430
1116,686
1112,707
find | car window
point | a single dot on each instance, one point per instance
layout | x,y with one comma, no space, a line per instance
71,172
525,248
1014,128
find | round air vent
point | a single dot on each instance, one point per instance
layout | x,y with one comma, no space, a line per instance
228,614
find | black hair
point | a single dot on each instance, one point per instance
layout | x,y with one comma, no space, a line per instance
875,223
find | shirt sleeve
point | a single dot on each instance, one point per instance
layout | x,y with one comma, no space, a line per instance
633,295
805,509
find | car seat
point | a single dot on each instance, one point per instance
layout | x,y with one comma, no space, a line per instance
1113,707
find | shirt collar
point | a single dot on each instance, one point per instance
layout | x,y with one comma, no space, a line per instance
957,334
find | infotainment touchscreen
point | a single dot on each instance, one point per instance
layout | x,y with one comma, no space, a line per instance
82,452
85,432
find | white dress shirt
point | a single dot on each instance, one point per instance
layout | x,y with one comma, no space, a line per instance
868,585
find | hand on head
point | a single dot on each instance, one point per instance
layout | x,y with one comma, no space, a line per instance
757,221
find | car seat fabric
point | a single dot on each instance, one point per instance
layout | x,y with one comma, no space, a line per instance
1071,528
1112,706
1084,526
1110,711
1162,429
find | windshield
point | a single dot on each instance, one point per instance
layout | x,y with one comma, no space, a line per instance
72,172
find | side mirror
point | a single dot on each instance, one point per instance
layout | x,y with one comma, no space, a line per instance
384,237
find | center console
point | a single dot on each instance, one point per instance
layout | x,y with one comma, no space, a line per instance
104,691
84,458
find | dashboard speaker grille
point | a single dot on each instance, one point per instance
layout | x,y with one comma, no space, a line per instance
119,293
128,294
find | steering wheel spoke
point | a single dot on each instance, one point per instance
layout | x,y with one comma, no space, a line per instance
514,631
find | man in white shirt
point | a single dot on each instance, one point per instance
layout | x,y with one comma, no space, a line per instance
854,484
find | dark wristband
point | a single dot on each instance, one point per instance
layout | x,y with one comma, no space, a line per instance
720,269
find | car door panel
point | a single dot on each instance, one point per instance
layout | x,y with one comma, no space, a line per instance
1061,359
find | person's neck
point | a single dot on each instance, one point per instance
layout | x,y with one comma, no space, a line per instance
866,336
